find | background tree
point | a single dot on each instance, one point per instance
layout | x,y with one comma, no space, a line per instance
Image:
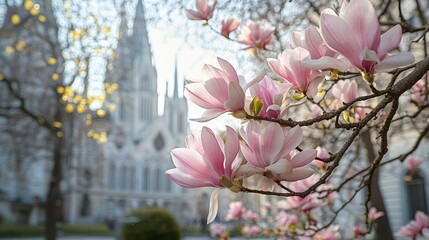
50,61
287,16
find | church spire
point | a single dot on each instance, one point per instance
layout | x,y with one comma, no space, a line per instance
176,85
139,29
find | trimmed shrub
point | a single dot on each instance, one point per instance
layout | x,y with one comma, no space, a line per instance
150,224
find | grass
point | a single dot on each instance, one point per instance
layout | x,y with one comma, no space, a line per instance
37,231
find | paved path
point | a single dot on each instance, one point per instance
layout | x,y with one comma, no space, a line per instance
98,238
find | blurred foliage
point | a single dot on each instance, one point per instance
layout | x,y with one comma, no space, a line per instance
9,231
152,223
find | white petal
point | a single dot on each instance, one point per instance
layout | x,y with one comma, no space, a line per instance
394,61
213,207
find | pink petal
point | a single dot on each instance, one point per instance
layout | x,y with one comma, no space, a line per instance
186,180
190,162
303,158
271,141
297,174
313,87
282,166
338,35
390,40
327,63
236,97
217,88
193,15
291,140
228,69
247,170
209,115
232,146
198,94
213,154
394,61
360,15
277,68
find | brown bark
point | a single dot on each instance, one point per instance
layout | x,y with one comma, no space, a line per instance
382,226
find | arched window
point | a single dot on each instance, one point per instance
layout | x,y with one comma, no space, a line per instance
122,110
123,178
415,192
158,181
146,179
132,183
112,176
180,123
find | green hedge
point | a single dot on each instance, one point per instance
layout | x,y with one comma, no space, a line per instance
37,231
151,223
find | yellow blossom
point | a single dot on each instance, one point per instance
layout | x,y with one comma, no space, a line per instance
69,108
9,49
55,76
15,19
28,4
60,134
101,113
42,18
60,90
52,61
57,124
20,45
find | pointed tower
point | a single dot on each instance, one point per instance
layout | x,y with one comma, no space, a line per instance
134,71
144,73
176,110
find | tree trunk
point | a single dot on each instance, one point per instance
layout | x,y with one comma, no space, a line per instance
53,199
382,226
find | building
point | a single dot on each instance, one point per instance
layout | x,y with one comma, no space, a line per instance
127,172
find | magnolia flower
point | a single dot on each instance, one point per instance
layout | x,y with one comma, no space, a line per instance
251,216
255,35
355,34
217,230
374,215
229,26
267,148
236,211
220,91
359,232
290,67
345,91
415,227
207,162
204,11
252,231
413,162
419,93
330,233
322,153
272,94
311,40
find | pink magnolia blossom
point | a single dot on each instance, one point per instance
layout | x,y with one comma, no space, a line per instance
204,10
267,148
355,34
217,230
283,221
291,68
413,162
415,227
236,211
344,91
219,92
256,36
419,92
251,216
252,231
359,232
330,233
272,94
322,153
374,214
311,40
206,162
229,26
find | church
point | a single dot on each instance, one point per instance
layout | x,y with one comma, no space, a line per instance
127,172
